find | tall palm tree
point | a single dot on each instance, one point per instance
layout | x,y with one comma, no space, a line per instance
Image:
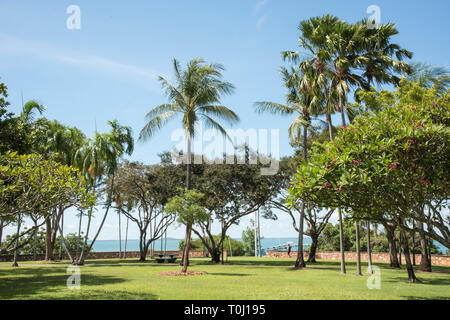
195,97
98,158
315,39
303,100
382,59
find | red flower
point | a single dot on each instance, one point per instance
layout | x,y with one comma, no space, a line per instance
393,166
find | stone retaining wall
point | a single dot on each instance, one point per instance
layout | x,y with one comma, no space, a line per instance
436,260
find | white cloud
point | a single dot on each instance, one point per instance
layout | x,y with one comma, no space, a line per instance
14,45
261,21
260,4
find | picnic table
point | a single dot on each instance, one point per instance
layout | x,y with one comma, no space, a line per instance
169,258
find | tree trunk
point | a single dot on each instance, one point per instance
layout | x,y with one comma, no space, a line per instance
413,244
1,231
141,246
188,163
186,250
187,242
409,267
358,251
63,241
83,249
215,256
313,249
61,236
35,241
390,235
341,226
300,262
341,241
120,237
369,250
341,109
48,239
16,249
108,206
79,236
425,262
126,240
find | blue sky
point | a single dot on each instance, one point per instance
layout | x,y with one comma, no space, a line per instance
108,69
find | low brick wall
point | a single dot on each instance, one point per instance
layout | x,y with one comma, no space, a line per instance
100,255
436,260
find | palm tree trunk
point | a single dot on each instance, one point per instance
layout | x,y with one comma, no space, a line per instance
16,249
79,236
188,163
126,240
341,109
300,262
341,226
369,250
188,187
120,237
63,241
358,251
108,206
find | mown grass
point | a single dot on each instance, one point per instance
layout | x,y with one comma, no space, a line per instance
242,278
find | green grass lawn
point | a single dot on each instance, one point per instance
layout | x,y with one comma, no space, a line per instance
241,278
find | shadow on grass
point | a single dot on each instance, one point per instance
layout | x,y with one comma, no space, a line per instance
434,281
30,283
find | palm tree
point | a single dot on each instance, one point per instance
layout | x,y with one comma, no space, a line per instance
28,110
379,64
315,36
436,77
303,100
100,157
195,97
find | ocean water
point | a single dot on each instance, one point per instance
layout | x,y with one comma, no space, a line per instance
172,244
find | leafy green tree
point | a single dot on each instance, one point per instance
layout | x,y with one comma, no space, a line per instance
33,184
233,247
140,193
248,237
189,212
387,166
